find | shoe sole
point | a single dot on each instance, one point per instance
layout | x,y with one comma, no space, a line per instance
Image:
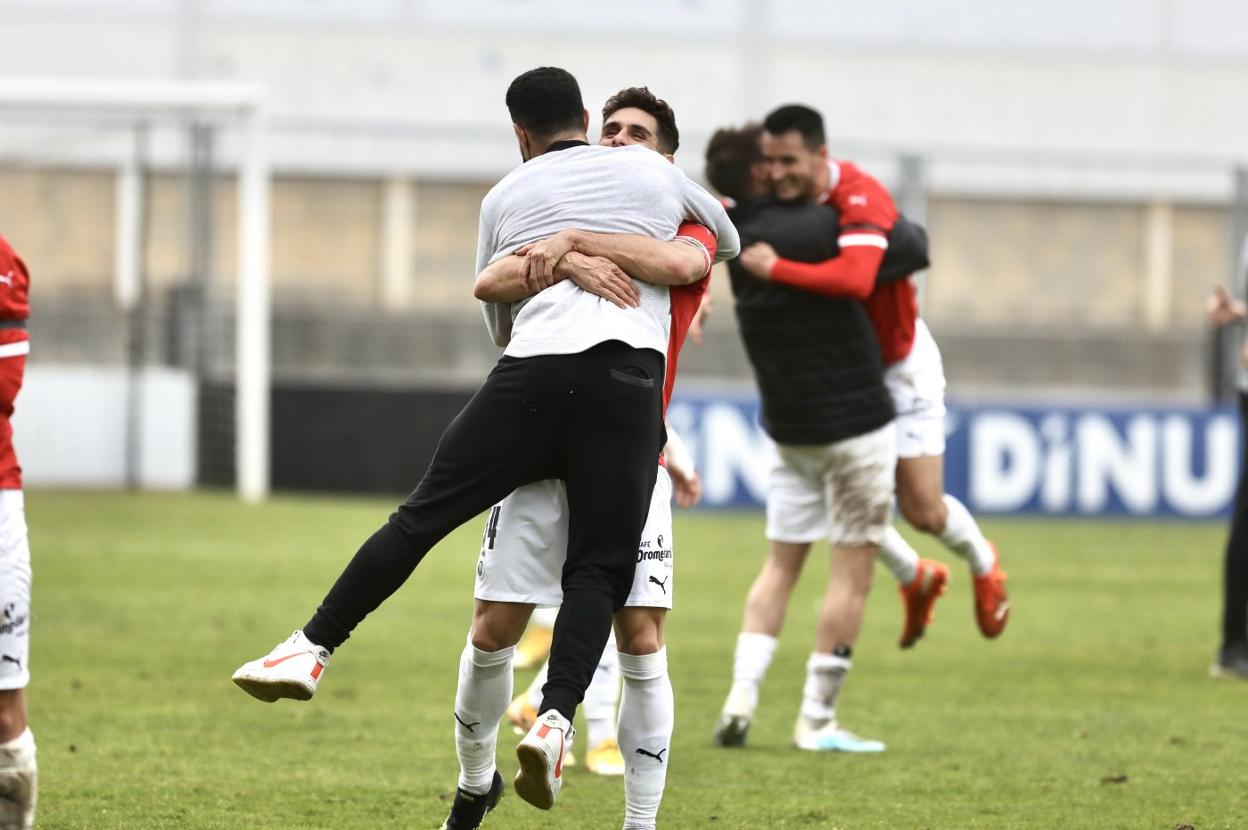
733,733
606,772
1219,672
845,749
530,783
271,691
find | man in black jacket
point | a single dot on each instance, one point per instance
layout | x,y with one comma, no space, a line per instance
820,375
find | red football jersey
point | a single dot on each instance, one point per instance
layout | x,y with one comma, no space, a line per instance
867,207
867,214
685,302
14,344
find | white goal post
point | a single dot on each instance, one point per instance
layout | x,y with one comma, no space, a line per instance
244,105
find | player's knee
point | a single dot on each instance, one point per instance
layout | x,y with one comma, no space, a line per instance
924,515
494,633
12,716
642,641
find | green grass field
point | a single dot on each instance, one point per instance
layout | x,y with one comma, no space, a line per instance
1093,711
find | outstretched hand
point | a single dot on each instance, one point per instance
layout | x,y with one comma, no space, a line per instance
1222,309
759,259
686,489
602,278
542,257
700,318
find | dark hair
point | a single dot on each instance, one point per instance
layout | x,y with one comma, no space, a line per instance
546,101
729,156
797,118
643,99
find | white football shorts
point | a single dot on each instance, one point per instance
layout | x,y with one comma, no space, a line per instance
842,491
14,592
526,542
917,386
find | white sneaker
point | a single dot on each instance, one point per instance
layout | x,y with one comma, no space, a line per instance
292,669
541,756
831,737
733,727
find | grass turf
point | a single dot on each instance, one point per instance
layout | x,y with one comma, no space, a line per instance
1093,710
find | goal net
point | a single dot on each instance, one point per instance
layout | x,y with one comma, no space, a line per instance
142,211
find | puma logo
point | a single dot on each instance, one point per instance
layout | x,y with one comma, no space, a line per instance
662,585
7,659
468,726
658,757
7,279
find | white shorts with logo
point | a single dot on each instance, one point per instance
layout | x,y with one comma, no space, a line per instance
842,491
917,385
14,592
526,542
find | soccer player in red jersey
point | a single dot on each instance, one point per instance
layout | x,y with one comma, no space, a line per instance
799,167
18,772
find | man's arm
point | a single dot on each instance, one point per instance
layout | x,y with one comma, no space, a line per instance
508,281
705,209
497,313
851,274
676,262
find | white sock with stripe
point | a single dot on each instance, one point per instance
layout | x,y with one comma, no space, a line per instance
896,554
963,536
484,691
825,674
647,716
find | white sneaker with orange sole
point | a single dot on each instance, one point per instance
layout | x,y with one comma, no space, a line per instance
292,670
541,755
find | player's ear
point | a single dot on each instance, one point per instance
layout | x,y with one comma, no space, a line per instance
522,137
584,120
822,153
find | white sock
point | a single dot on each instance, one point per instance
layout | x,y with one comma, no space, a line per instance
647,715
481,699
19,780
544,617
749,667
535,688
825,674
602,696
963,536
897,555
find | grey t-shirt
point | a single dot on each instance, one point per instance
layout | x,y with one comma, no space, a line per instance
631,190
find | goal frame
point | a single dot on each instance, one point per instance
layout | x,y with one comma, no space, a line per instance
243,105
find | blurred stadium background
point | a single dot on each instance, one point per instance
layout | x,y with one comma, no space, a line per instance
1080,168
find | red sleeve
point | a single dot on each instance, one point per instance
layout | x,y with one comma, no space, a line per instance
852,274
867,214
692,232
14,284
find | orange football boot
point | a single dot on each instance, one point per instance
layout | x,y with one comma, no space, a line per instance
919,598
992,606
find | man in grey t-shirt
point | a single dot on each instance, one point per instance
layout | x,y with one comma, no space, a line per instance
577,396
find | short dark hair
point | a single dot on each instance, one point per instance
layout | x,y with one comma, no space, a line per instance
643,99
729,156
546,101
797,118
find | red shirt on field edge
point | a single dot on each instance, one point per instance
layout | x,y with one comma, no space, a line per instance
14,345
